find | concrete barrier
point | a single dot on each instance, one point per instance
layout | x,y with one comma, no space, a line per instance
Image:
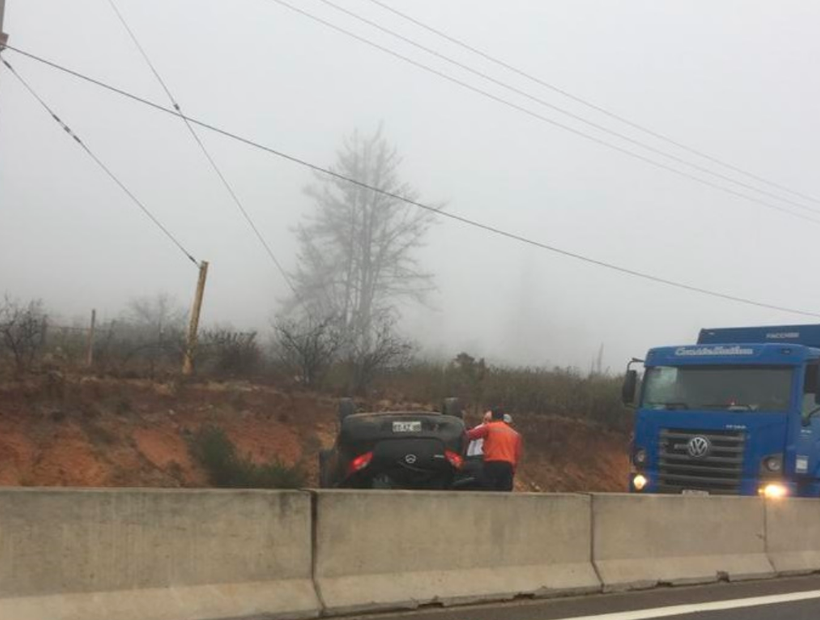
154,555
208,555
793,535
392,550
640,541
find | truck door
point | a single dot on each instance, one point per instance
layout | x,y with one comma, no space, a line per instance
807,454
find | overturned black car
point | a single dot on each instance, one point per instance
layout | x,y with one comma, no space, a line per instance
395,450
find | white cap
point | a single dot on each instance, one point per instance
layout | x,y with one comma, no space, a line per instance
507,418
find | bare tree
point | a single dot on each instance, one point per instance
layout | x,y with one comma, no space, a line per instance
155,329
158,313
596,367
22,329
385,351
356,259
308,347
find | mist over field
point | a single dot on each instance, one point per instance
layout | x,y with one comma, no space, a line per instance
730,82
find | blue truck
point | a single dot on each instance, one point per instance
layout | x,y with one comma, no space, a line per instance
738,413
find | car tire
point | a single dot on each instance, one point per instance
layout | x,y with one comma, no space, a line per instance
324,455
452,407
382,482
346,407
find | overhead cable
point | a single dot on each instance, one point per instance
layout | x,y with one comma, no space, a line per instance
202,147
589,104
561,110
100,163
445,214
546,119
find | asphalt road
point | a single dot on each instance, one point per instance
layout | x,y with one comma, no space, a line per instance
781,599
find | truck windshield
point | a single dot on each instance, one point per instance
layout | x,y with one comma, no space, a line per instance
722,388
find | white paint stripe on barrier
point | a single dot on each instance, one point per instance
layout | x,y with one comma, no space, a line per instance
695,608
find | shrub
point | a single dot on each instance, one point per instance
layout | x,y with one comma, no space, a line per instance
307,347
370,358
543,391
277,475
228,353
22,331
138,349
212,448
217,454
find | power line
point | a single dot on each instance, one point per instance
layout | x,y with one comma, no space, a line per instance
99,162
591,105
142,51
202,147
543,118
561,110
420,205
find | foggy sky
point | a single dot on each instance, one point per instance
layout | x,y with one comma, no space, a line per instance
734,79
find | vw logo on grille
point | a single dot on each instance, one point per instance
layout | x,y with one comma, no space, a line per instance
698,447
410,459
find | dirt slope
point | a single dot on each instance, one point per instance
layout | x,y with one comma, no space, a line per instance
88,431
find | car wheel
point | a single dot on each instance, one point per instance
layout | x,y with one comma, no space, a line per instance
452,407
346,407
324,455
382,481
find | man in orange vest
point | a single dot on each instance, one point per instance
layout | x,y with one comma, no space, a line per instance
502,451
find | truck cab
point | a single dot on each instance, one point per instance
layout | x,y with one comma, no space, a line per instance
738,413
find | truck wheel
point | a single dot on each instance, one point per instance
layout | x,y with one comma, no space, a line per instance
452,407
346,407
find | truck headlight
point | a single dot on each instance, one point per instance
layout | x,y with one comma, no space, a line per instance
639,482
639,458
774,463
774,491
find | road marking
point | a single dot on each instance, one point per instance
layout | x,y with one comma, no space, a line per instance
680,610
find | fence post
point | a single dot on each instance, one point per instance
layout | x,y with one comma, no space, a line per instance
89,352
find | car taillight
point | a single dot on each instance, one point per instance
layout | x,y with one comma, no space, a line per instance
454,458
359,463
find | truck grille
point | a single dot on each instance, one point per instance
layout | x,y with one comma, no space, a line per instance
719,471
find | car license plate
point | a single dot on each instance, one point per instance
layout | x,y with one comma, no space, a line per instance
695,492
406,427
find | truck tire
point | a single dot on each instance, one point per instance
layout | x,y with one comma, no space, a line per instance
452,407
346,407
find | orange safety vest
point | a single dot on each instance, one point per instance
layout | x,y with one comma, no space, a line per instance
501,443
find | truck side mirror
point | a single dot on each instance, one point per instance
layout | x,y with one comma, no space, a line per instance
817,385
629,386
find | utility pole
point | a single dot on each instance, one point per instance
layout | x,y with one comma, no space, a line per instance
193,326
3,36
89,352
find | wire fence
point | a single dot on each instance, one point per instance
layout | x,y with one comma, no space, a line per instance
33,340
